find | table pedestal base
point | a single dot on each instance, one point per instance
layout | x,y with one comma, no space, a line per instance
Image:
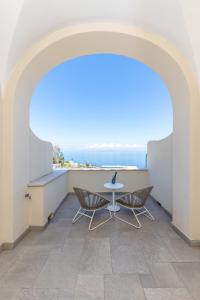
113,208
108,185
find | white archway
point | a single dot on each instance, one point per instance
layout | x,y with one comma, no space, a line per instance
103,38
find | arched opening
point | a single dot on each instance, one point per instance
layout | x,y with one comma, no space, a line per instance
105,108
104,38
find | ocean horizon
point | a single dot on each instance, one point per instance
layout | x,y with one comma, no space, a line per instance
108,157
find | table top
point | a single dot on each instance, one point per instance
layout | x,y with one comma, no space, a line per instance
111,186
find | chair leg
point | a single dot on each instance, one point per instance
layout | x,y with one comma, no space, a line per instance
79,214
139,224
129,223
148,214
90,224
76,217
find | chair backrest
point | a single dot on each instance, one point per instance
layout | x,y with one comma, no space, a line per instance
88,200
141,196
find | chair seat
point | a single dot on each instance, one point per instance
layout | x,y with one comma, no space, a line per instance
135,201
101,204
90,201
128,205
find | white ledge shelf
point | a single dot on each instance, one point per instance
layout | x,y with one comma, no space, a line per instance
44,180
107,169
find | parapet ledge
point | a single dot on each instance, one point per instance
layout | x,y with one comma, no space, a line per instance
44,180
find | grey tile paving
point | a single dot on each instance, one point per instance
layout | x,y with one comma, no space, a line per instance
89,287
61,269
167,294
165,276
123,287
116,261
38,294
7,259
182,251
154,249
124,260
9,294
23,272
52,236
148,281
37,251
163,230
95,258
64,295
190,275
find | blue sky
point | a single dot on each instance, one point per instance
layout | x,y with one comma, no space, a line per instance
101,100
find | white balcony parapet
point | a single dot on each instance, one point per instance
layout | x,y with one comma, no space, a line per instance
47,178
48,192
46,195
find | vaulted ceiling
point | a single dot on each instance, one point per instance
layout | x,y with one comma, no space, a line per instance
23,22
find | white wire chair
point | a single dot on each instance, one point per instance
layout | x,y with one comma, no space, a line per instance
90,202
135,201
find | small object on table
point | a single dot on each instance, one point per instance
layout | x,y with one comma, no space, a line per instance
114,178
117,186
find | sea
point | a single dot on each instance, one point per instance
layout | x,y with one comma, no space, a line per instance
108,158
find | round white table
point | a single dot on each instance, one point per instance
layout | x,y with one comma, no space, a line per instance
113,187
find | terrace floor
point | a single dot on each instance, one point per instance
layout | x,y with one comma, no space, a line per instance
113,262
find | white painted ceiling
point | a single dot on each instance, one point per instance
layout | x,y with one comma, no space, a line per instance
23,22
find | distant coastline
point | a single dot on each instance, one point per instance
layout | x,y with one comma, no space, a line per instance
108,158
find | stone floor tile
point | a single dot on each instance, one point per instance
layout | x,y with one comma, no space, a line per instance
23,273
111,229
61,270
147,281
167,294
61,222
37,251
163,230
123,287
124,261
190,275
38,294
165,276
29,239
65,295
129,239
182,251
52,236
57,275
154,249
9,294
7,259
79,229
67,213
95,258
63,258
89,287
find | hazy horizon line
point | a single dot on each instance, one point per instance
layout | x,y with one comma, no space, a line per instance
105,146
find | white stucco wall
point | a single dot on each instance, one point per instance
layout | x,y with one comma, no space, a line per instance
174,22
41,154
153,16
94,180
9,15
112,38
1,174
191,13
46,198
160,170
